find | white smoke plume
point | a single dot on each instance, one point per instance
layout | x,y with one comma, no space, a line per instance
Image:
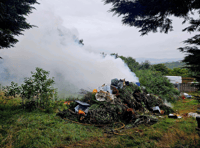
52,46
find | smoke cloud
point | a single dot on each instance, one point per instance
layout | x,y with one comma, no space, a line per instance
54,48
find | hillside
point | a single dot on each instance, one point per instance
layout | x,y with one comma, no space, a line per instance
172,65
157,61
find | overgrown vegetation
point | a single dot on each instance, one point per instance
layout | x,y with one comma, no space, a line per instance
155,83
152,77
171,65
37,91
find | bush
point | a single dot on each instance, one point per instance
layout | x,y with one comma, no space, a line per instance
38,86
156,84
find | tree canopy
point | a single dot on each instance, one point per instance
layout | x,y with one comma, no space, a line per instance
13,21
161,67
151,15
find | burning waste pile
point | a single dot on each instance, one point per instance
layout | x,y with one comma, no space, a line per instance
122,101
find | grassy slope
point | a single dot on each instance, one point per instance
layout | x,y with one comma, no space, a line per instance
39,129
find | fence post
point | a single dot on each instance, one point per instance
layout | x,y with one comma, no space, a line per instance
178,86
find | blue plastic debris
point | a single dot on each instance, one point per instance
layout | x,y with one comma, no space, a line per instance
138,83
187,95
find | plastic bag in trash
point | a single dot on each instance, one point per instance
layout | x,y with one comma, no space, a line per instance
193,114
101,95
105,87
123,80
114,82
105,96
156,109
120,85
187,95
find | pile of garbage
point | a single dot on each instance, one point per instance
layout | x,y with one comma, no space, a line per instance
122,101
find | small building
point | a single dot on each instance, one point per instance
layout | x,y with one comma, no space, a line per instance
182,84
175,79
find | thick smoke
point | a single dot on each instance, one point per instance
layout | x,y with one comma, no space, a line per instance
54,48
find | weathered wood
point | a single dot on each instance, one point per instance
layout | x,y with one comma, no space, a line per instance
187,79
187,87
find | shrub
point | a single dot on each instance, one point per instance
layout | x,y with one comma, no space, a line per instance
155,83
38,86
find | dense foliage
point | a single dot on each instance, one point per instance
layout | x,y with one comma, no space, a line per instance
156,83
179,72
172,65
149,15
152,77
13,21
36,90
193,52
161,68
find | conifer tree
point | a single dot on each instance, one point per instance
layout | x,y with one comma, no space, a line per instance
13,21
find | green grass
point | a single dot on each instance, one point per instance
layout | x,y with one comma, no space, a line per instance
19,128
166,132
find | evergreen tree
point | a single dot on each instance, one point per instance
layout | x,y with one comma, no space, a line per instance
13,21
149,15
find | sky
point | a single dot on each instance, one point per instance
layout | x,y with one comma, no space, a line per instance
51,46
101,31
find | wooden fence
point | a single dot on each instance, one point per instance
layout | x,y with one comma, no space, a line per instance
186,87
187,79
